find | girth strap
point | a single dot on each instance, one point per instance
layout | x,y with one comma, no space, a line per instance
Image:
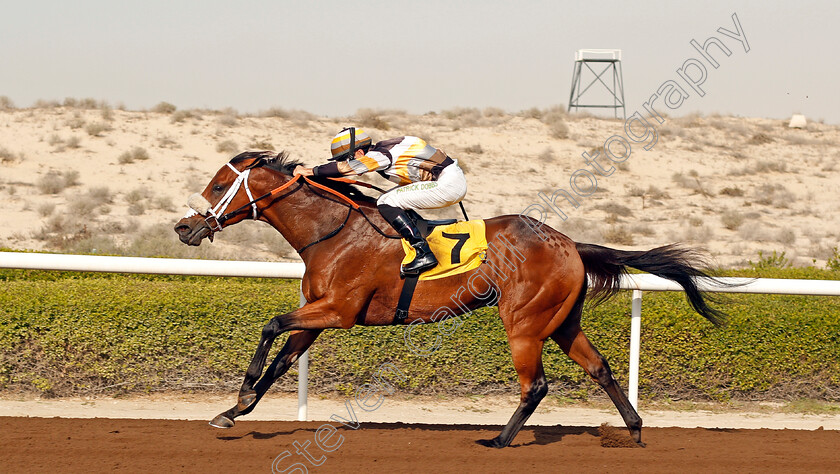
406,295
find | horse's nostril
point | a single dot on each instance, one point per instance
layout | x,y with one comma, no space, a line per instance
181,228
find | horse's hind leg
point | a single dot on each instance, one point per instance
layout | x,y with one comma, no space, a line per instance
250,394
577,346
527,358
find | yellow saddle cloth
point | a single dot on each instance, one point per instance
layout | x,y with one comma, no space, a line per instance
459,247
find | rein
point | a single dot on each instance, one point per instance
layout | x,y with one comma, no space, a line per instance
216,215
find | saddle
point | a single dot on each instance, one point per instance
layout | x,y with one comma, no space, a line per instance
426,226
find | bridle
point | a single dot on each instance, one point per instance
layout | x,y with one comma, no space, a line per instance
215,216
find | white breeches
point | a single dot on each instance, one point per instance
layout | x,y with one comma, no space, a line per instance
450,188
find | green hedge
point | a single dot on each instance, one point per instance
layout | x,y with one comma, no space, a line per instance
65,333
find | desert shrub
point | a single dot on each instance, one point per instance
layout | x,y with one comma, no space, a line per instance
547,155
164,203
372,119
180,116
493,112
465,167
96,129
139,153
58,224
765,166
136,153
635,191
137,195
100,195
555,118
468,116
533,113
770,261
684,181
618,234
296,115
701,233
278,112
54,182
643,229
82,206
734,191
74,142
71,177
732,219
474,149
46,104
125,158
75,122
833,262
691,182
655,193
164,108
46,209
136,209
228,120
6,156
760,139
227,146
671,130
166,141
755,232
107,113
6,103
94,244
774,194
88,103
615,208
786,236
261,144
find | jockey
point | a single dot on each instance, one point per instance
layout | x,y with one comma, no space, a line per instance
427,179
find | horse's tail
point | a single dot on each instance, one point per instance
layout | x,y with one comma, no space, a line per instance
604,266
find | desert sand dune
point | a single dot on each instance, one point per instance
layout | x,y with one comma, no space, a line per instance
82,177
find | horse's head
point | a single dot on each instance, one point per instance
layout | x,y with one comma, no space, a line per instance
228,198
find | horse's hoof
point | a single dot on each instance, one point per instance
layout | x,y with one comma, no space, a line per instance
246,400
222,421
491,443
637,437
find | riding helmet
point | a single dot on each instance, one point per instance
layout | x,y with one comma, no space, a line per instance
345,144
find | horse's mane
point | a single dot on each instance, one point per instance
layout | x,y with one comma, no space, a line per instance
283,164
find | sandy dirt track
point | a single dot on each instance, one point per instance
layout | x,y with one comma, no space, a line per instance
98,445
169,433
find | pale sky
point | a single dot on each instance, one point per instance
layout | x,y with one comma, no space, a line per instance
334,57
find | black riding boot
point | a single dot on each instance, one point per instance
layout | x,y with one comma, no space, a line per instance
424,258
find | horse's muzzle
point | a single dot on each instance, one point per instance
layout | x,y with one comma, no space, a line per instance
193,230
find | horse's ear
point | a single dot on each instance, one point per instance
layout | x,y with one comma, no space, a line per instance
258,161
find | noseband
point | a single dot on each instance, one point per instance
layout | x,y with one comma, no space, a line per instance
215,216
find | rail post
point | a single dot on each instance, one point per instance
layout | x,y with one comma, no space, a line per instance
303,375
635,346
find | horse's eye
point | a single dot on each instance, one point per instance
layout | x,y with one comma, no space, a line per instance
217,188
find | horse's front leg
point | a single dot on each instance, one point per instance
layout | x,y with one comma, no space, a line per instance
296,345
309,320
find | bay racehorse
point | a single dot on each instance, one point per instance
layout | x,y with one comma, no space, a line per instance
538,279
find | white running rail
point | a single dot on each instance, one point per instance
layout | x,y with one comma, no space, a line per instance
170,266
